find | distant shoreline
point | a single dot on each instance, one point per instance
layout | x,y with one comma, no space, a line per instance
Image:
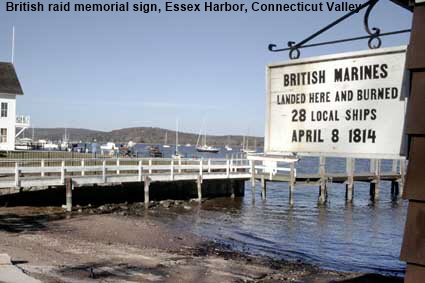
148,135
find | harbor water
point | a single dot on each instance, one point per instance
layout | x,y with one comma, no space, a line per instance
362,236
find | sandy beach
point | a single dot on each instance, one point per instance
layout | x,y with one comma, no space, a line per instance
118,244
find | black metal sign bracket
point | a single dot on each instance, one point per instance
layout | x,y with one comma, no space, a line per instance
373,37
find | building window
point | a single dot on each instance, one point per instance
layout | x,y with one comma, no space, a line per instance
4,109
3,135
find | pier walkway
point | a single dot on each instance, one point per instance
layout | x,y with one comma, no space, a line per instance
37,174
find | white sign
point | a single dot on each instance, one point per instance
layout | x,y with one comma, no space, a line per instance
345,104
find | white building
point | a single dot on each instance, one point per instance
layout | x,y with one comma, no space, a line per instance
9,89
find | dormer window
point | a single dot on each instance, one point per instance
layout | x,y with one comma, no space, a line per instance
4,109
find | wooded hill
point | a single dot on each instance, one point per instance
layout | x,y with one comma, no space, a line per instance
138,135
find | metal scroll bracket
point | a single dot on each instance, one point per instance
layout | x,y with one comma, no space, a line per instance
373,37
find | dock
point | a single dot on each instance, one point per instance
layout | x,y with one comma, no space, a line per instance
17,175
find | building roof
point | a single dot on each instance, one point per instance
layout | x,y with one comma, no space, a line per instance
9,82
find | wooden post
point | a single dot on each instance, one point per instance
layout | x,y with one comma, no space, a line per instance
209,165
83,167
104,171
374,185
17,176
350,162
201,169
292,184
140,169
172,170
252,164
180,165
232,189
69,187
263,188
63,172
402,177
150,166
412,250
42,167
199,187
147,182
118,166
322,172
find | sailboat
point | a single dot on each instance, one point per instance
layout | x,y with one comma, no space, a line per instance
205,147
166,145
177,154
65,141
227,146
245,146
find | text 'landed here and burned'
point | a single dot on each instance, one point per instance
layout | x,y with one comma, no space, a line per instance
157,6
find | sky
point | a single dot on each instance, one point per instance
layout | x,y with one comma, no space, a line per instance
112,70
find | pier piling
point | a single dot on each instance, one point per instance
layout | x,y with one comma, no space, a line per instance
199,187
69,187
375,166
263,188
350,179
147,182
252,165
323,188
292,184
232,189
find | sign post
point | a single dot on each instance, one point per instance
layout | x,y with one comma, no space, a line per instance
350,104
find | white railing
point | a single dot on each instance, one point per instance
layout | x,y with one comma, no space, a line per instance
23,121
164,169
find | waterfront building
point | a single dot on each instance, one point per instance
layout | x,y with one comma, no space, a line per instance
11,126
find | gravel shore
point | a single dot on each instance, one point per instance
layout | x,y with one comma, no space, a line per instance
111,244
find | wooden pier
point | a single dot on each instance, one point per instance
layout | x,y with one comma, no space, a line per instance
374,176
34,174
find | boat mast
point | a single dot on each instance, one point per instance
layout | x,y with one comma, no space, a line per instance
205,136
177,135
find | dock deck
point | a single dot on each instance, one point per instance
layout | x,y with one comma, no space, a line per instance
37,174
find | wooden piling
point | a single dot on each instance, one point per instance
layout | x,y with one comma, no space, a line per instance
394,189
375,183
69,187
147,182
232,188
350,180
292,184
252,165
263,188
199,187
322,172
401,181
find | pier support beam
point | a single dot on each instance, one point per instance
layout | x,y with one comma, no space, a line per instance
350,181
263,188
147,182
69,186
199,187
292,184
375,166
252,164
323,191
395,190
